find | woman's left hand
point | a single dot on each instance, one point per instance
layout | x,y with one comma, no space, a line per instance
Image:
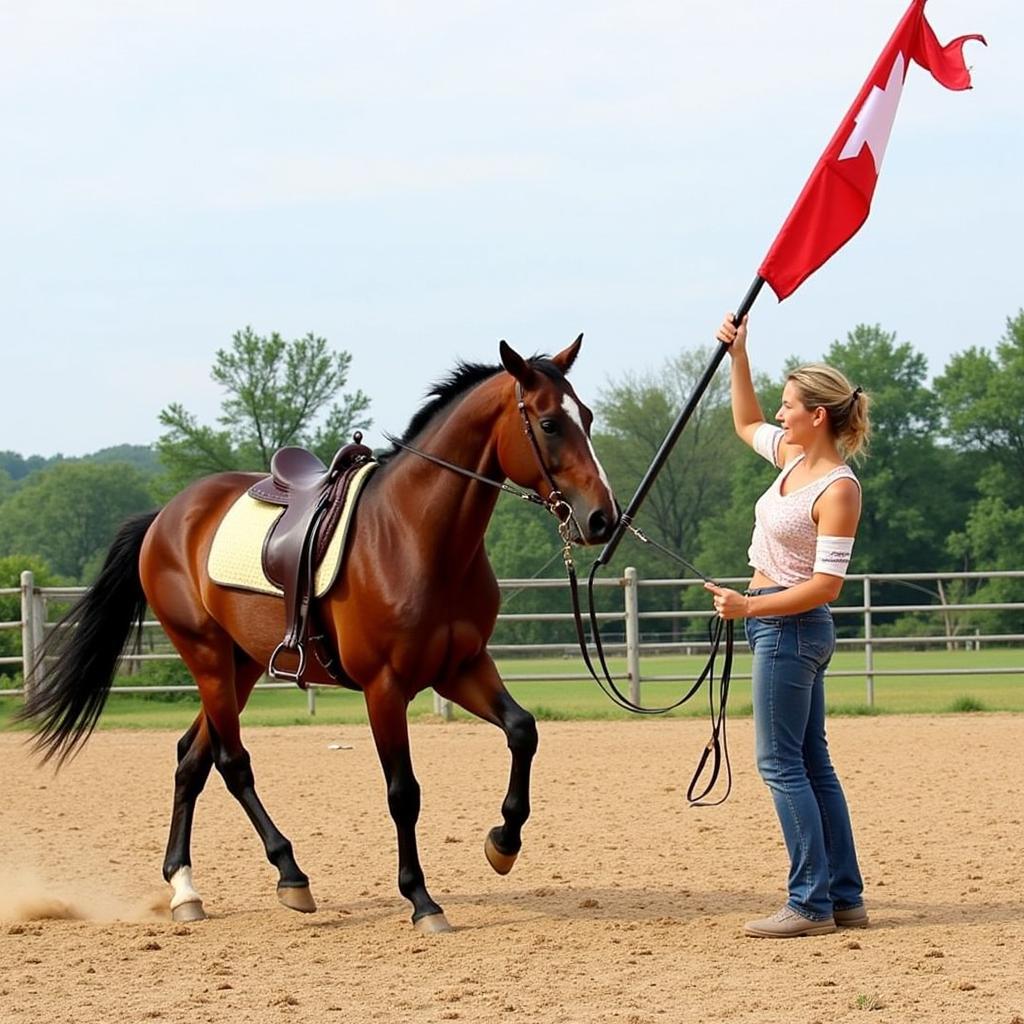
729,604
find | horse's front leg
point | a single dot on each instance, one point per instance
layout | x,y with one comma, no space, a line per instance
479,689
387,707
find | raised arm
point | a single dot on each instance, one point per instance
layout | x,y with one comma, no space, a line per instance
746,410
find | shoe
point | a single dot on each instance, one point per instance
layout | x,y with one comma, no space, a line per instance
788,924
854,917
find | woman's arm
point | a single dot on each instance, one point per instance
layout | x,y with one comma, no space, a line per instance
747,415
838,513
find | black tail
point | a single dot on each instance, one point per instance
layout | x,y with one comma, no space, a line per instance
66,698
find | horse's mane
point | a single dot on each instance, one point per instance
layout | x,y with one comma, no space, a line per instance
463,378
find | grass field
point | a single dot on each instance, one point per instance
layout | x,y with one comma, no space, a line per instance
581,699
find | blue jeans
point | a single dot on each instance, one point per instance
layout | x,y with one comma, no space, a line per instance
791,653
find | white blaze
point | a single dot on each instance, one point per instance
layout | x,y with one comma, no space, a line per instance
572,410
875,118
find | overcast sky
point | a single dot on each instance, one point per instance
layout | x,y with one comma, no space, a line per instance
415,181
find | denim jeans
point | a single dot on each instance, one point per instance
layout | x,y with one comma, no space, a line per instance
791,653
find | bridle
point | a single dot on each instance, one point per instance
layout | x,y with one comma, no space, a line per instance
554,503
720,629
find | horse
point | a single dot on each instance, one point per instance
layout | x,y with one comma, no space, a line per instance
413,608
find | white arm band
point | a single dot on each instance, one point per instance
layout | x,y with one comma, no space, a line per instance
766,442
832,555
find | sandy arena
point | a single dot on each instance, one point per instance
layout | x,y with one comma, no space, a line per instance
625,906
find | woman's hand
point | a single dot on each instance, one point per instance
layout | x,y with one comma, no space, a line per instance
733,336
729,604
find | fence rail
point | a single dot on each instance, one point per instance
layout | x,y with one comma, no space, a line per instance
36,603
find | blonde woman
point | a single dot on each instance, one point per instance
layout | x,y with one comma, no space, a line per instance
804,528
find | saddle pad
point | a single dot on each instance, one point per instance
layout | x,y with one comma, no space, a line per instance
235,558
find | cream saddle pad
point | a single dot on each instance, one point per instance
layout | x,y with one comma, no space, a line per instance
235,558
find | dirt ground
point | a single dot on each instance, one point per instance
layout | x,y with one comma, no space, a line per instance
625,906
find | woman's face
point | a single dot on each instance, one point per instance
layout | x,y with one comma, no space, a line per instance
796,419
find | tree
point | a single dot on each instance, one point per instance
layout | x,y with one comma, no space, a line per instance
522,543
693,485
982,399
70,512
903,526
635,416
18,467
277,393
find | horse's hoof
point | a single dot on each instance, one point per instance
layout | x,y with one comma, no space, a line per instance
432,924
300,899
191,911
501,862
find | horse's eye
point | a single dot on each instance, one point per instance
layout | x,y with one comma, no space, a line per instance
549,426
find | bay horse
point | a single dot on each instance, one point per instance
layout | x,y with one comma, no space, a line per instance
414,607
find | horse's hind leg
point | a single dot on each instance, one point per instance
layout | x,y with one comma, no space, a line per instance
194,762
224,686
387,708
479,689
195,759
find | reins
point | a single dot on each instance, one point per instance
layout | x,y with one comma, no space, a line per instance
716,749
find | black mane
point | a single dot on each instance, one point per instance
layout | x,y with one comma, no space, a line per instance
463,378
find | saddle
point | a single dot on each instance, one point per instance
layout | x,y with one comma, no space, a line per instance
313,496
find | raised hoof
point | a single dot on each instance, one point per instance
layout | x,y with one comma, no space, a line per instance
191,911
300,899
432,924
501,862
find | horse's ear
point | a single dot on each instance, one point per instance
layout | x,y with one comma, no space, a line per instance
567,356
515,364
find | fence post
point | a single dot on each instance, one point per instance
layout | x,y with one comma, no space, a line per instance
443,707
632,602
869,652
28,629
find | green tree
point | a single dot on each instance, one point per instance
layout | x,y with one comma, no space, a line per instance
902,526
522,543
635,416
982,397
68,513
277,393
18,467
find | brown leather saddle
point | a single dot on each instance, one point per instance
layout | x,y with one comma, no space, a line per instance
313,496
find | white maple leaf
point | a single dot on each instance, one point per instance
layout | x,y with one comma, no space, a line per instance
875,118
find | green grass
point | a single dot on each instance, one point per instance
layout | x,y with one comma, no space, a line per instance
581,699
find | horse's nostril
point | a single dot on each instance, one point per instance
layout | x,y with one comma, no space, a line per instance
597,523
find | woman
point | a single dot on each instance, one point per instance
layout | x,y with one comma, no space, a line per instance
804,529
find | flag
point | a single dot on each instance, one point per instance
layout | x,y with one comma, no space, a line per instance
837,197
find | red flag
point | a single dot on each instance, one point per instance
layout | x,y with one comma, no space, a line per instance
837,197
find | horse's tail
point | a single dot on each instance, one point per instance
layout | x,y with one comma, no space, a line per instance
65,699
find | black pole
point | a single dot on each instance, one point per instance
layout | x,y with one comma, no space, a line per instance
675,430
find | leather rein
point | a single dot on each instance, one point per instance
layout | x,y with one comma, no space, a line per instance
716,750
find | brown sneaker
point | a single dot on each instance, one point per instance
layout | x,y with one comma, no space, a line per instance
787,924
855,917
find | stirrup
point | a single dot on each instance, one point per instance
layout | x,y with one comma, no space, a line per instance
281,673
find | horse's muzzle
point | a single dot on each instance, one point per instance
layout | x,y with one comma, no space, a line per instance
598,525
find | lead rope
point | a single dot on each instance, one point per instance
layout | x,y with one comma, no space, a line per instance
719,629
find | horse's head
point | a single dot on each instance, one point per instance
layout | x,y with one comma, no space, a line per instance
559,454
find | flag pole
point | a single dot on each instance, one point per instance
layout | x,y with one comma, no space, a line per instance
675,430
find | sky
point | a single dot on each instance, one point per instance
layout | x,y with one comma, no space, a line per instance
416,181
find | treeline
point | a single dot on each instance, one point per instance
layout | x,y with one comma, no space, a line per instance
943,483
